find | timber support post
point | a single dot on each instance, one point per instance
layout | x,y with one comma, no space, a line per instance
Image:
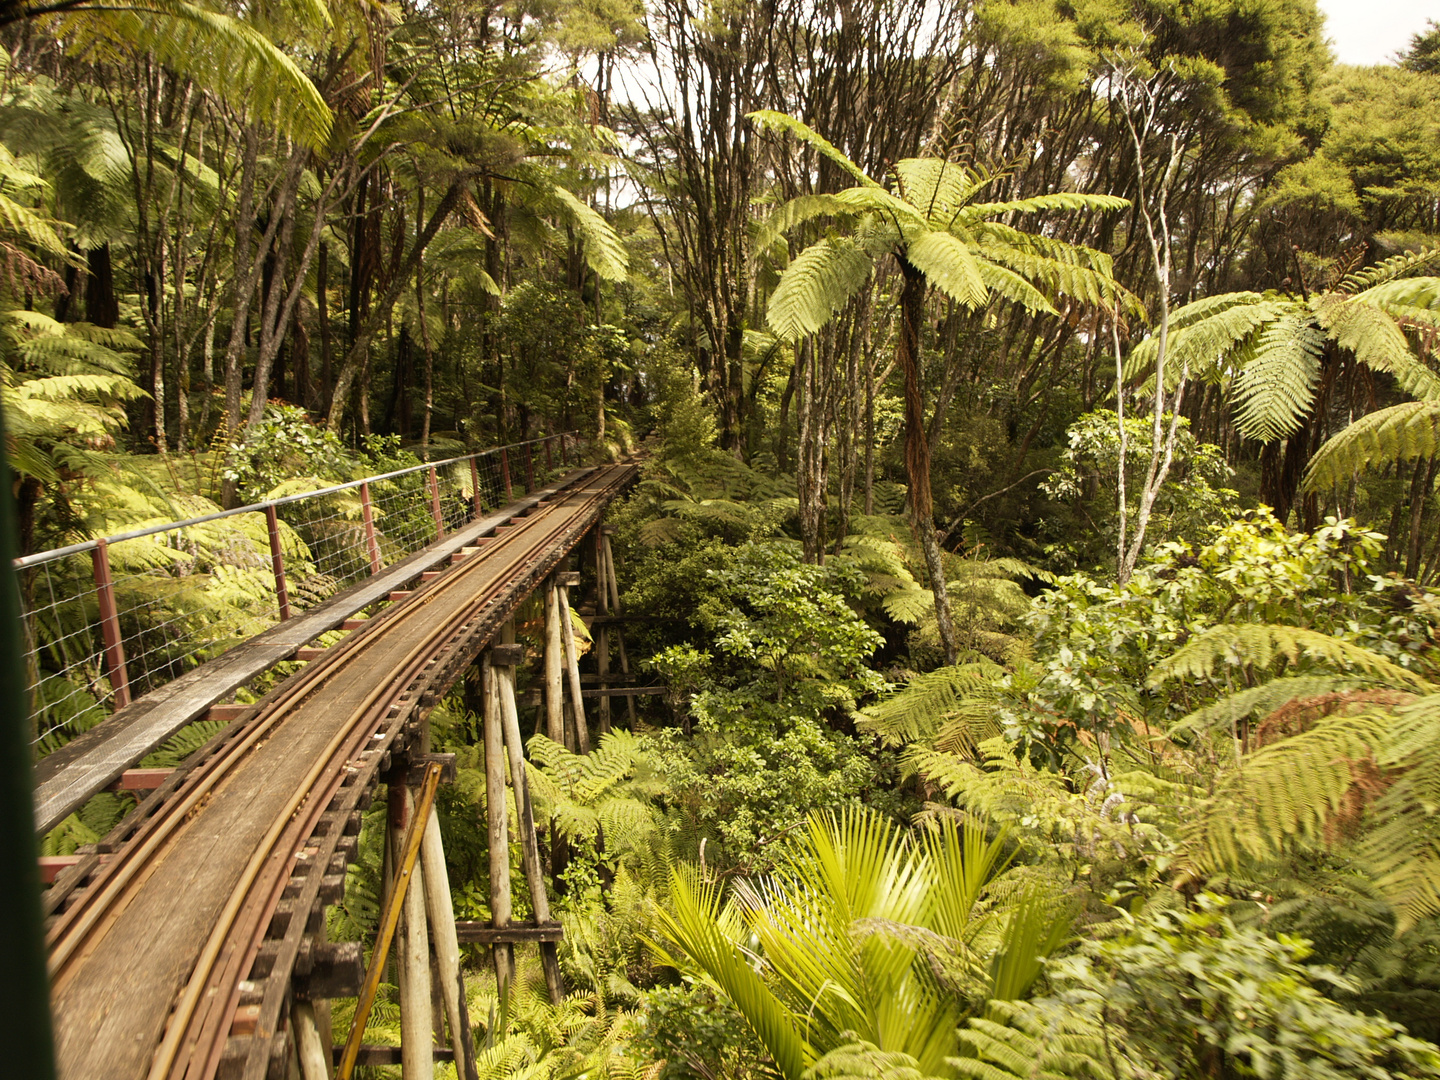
417,1056
554,666
504,660
602,631
110,624
499,832
608,558
367,515
564,582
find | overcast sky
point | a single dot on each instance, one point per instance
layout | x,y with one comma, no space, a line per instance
1373,31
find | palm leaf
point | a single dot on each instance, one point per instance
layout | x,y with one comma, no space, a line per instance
692,922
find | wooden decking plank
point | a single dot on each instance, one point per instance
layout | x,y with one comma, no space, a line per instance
65,779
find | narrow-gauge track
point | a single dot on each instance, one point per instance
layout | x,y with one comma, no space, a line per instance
210,904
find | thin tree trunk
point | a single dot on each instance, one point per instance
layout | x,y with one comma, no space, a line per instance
358,354
917,451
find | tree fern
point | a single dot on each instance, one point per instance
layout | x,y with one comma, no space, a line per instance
1259,700
778,121
1259,646
1290,790
230,58
1403,845
1400,433
818,283
1364,282
1375,340
604,251
1277,380
916,712
1015,1040
947,262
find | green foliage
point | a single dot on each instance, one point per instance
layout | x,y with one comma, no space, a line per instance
284,446
1186,994
1402,432
1189,509
840,930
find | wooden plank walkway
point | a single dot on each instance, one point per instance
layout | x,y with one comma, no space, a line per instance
67,778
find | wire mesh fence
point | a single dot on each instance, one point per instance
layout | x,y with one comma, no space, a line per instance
111,619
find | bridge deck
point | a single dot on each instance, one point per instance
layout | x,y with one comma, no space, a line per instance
65,779
115,988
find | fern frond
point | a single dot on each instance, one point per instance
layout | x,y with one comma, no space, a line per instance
1289,790
1375,339
1422,294
820,281
937,187
1015,1040
1056,200
1259,701
1403,844
796,212
228,57
604,251
947,263
864,1061
1259,646
30,226
916,711
1400,433
1276,385
778,121
908,605
1386,271
1202,332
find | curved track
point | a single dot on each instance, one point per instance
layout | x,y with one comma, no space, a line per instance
176,958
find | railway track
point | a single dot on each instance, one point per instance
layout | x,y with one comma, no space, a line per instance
173,954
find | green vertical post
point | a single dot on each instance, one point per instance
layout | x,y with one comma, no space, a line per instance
24,984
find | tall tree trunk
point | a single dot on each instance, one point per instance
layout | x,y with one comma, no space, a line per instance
322,316
358,353
917,450
102,307
810,472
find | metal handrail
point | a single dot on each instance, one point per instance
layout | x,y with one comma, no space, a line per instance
150,530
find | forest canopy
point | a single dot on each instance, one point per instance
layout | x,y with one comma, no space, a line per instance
1038,539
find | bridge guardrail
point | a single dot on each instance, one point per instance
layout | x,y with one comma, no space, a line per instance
110,619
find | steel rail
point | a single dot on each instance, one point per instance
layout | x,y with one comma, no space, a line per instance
266,874
330,761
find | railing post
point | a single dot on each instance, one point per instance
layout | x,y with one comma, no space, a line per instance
371,545
549,456
475,487
110,624
505,474
435,505
529,468
277,562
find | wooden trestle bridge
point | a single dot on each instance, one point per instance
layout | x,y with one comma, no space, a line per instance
190,943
